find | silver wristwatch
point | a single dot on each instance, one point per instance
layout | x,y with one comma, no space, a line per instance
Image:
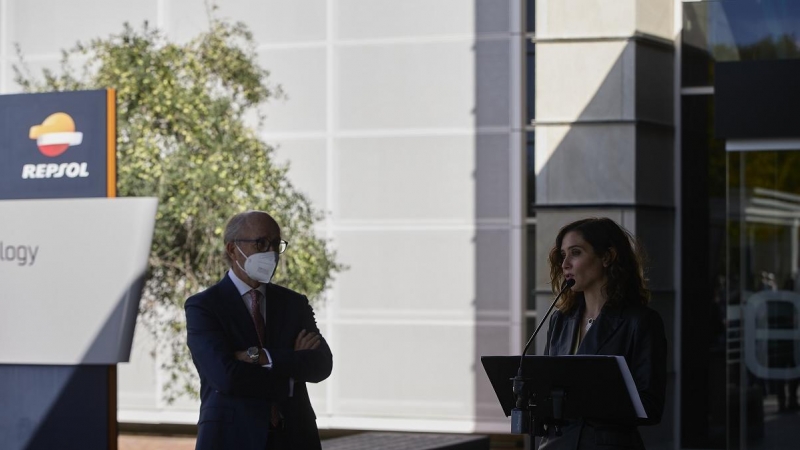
253,353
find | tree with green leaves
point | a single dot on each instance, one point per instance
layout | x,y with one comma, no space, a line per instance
183,136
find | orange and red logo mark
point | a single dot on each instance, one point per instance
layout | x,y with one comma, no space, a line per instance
56,134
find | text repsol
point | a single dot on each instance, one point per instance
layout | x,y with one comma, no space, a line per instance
21,254
69,170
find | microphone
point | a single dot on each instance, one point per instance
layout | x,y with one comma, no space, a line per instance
564,286
520,415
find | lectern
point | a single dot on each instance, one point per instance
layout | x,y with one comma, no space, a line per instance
71,275
71,271
558,388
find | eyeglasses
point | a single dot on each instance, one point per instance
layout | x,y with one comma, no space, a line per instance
264,245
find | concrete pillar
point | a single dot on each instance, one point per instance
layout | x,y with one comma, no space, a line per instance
605,133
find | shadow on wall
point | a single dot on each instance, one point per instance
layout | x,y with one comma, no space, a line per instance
497,144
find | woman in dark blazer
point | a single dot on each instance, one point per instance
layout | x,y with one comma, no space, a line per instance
606,313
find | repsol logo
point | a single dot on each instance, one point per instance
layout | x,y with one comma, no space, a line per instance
69,170
22,255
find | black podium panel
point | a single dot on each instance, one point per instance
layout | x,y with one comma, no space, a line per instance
57,407
593,387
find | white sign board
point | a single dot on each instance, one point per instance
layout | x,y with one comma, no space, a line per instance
71,273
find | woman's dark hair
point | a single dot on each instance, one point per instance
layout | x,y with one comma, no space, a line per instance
625,273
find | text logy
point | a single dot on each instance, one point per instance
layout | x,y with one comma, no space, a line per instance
21,254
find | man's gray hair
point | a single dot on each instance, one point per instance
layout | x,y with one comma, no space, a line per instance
233,231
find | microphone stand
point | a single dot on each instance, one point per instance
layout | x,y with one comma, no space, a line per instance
521,420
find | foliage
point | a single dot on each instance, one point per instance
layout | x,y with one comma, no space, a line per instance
183,136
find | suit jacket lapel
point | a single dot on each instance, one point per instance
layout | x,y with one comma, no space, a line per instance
566,341
602,329
240,316
570,327
276,307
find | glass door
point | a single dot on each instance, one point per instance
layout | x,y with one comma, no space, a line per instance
762,305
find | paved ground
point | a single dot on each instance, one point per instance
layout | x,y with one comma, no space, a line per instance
142,442
146,442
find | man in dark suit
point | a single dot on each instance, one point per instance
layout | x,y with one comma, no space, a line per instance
255,345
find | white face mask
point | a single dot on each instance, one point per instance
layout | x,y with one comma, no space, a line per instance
259,266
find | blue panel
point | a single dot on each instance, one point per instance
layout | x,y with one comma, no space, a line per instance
53,407
26,171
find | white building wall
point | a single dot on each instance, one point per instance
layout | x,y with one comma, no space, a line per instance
403,123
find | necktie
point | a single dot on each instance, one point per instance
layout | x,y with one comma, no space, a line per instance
255,312
258,321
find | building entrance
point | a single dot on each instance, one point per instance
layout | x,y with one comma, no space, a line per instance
758,301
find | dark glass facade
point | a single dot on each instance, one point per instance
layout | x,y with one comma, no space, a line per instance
703,400
736,30
740,308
